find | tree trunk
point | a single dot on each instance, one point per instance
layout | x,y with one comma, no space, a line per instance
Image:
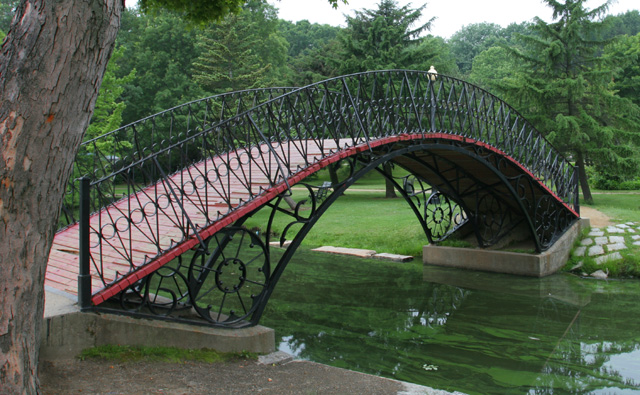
333,173
390,191
582,177
51,66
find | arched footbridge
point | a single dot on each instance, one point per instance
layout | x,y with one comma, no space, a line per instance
153,218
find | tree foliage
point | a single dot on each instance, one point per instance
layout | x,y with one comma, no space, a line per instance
492,67
242,51
7,9
563,86
107,114
622,24
161,48
314,52
196,11
623,55
471,40
383,38
228,61
304,36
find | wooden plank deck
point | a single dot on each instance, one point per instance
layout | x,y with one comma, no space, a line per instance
133,231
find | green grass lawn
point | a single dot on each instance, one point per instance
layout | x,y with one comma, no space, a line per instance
363,218
621,206
360,219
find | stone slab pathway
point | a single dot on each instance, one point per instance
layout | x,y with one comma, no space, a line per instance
606,243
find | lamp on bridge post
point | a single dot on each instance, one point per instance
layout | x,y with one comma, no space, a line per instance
433,74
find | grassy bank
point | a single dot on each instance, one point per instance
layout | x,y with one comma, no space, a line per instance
361,218
621,207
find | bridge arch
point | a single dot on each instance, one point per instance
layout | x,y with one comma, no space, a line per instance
467,151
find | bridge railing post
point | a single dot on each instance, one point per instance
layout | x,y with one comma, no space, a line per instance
84,274
576,189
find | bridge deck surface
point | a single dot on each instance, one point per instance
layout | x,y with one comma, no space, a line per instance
139,230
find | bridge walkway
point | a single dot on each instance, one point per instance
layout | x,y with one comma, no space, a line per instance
205,202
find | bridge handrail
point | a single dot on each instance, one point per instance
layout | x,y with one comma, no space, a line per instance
110,152
347,111
440,77
560,164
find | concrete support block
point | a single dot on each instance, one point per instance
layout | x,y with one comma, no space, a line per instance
64,336
537,265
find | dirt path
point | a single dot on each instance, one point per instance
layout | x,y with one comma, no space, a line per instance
597,218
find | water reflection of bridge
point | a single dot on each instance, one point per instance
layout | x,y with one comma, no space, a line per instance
169,194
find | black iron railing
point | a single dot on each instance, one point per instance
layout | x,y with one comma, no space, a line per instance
198,164
111,153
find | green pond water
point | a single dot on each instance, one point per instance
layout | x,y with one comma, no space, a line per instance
456,330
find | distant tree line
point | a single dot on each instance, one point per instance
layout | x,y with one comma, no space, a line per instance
576,78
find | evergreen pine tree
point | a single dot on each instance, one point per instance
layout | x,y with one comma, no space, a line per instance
229,60
564,88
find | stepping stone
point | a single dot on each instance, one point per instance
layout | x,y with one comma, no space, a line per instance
636,237
596,250
622,226
613,229
580,251
630,223
616,247
616,239
606,258
393,257
586,242
577,266
276,244
602,240
636,243
595,234
346,251
275,358
600,275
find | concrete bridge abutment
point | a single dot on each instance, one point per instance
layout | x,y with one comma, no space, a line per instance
66,331
508,262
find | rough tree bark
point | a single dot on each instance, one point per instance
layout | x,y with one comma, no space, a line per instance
51,67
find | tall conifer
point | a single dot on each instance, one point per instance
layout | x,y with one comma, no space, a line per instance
564,87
